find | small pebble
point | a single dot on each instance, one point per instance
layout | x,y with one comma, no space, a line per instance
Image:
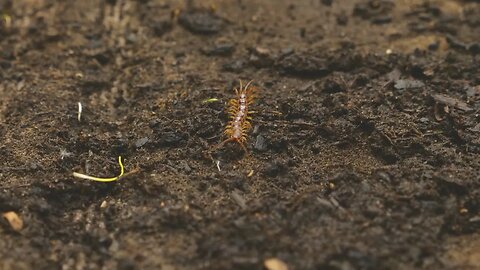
260,143
141,142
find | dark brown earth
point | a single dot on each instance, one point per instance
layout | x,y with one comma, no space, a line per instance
364,152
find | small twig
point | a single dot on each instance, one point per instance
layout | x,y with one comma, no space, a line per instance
218,165
79,117
19,186
101,179
19,168
210,100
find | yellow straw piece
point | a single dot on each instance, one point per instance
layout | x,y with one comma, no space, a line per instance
210,100
8,21
100,179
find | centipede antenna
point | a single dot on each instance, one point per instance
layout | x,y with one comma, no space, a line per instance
248,84
244,148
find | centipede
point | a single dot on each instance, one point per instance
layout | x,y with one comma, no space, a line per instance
237,128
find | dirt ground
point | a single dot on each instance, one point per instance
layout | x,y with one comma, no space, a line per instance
364,151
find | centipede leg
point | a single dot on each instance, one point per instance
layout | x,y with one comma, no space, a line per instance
220,145
243,147
233,102
246,125
248,85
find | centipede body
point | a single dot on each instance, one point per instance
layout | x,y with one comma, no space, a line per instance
238,110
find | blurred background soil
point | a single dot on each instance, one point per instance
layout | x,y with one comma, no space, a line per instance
364,152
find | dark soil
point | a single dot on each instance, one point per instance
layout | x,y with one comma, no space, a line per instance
364,152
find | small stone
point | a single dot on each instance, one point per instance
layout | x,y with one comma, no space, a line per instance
234,66
170,138
260,143
185,167
223,49
327,2
161,27
286,51
342,18
201,22
473,91
434,46
274,169
333,85
141,142
16,223
104,204
304,65
382,19
275,264
408,84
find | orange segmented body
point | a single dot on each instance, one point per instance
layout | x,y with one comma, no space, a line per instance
238,111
